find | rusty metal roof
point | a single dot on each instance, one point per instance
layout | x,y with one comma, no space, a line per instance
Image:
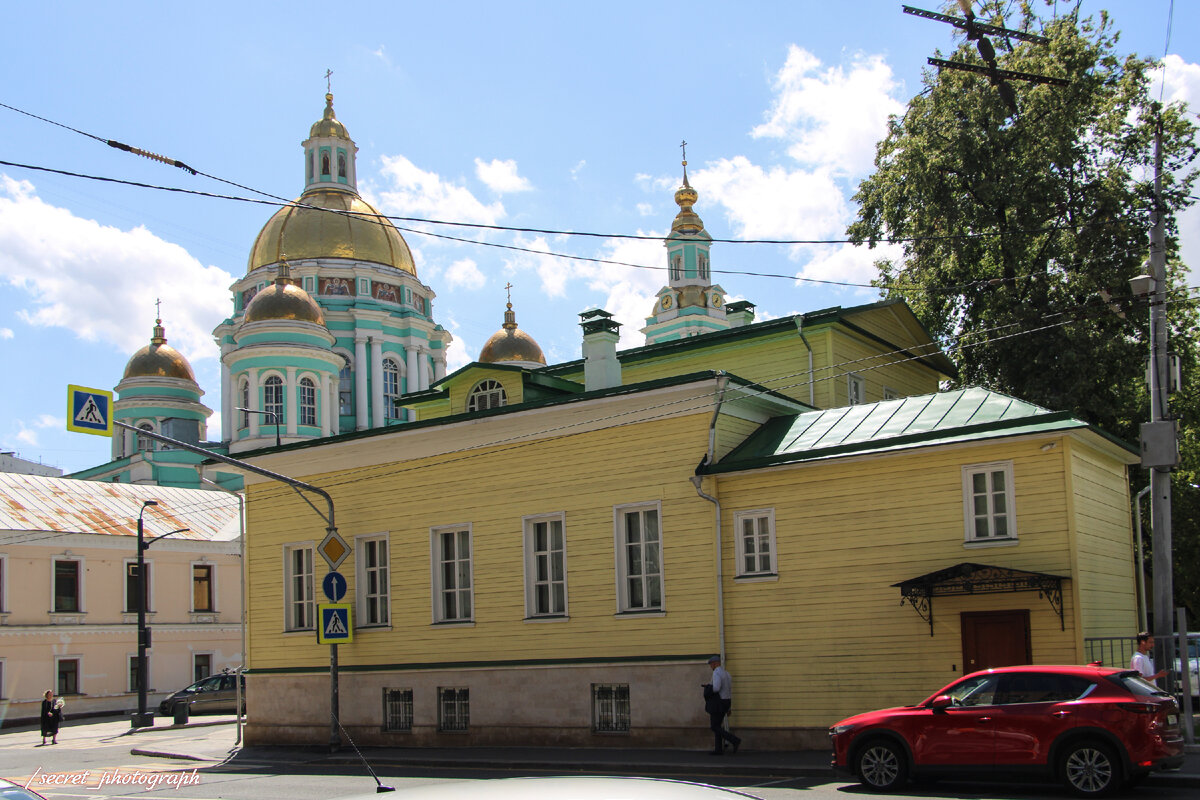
68,505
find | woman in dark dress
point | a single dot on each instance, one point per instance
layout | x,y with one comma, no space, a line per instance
51,716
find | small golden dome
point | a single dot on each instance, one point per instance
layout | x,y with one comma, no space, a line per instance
284,300
351,228
159,360
687,220
510,343
328,124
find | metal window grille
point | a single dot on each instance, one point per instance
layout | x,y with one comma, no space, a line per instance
610,707
454,709
397,709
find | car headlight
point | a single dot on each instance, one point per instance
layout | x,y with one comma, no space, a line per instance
838,730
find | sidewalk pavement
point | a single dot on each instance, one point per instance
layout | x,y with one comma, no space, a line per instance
212,740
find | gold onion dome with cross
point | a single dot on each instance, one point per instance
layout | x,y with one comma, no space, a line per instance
159,360
284,300
330,219
687,220
511,344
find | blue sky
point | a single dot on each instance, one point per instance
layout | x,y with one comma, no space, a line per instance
536,114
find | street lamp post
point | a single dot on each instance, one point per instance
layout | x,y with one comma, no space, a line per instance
144,719
274,418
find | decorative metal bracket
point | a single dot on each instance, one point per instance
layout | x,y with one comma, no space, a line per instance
968,579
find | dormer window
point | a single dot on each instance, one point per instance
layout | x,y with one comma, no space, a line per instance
486,394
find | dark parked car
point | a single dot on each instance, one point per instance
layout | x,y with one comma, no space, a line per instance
216,694
1092,728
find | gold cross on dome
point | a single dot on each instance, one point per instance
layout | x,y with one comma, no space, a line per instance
683,147
508,290
328,83
158,307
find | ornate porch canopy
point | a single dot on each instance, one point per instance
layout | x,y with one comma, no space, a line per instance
967,578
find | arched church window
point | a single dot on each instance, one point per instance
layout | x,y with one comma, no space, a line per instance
145,443
308,402
341,165
677,266
245,394
486,394
703,266
273,399
310,166
391,389
324,164
345,390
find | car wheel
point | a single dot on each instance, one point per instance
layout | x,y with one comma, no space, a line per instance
1090,769
881,765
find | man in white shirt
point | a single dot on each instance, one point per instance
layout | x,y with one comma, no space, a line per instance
718,706
1143,662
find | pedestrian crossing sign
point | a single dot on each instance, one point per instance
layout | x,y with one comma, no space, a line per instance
333,623
89,410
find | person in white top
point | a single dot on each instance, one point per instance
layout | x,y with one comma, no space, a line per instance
1143,662
718,699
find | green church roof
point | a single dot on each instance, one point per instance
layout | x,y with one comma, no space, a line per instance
962,415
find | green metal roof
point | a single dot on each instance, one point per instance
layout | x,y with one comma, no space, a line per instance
964,415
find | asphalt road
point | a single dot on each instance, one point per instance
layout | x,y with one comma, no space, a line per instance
95,761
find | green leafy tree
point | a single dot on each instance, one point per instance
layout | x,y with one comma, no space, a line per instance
1021,229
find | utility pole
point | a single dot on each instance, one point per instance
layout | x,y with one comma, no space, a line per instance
1159,436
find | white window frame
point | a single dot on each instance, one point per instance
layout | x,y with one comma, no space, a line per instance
268,406
288,591
890,394
143,444
212,586
81,595
969,471
488,393
761,537
362,583
856,389
307,413
392,375
624,605
345,398
78,673
129,608
533,557
437,582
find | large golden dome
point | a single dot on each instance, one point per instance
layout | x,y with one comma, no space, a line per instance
510,343
284,300
159,360
351,228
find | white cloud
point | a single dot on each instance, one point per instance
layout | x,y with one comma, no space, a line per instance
849,264
554,272
101,282
49,421
832,116
645,209
27,436
630,292
459,354
501,176
465,274
774,203
412,191
575,170
6,333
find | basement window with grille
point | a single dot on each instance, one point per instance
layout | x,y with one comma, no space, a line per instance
398,710
454,710
610,708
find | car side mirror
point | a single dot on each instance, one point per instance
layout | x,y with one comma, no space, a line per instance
941,702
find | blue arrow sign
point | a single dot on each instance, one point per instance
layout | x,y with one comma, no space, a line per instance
334,586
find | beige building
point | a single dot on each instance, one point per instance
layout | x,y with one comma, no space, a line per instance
68,591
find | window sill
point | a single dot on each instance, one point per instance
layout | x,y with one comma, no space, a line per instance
368,627
757,577
130,617
67,617
204,617
454,623
548,618
299,631
975,544
650,612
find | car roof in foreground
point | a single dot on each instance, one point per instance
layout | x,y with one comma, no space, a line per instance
572,787
1064,669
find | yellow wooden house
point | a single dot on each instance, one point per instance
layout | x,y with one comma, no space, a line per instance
548,554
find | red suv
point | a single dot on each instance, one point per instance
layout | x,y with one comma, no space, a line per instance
1095,729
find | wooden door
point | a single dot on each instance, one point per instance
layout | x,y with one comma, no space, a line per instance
995,639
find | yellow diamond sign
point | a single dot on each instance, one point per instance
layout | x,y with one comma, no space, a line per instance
333,549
